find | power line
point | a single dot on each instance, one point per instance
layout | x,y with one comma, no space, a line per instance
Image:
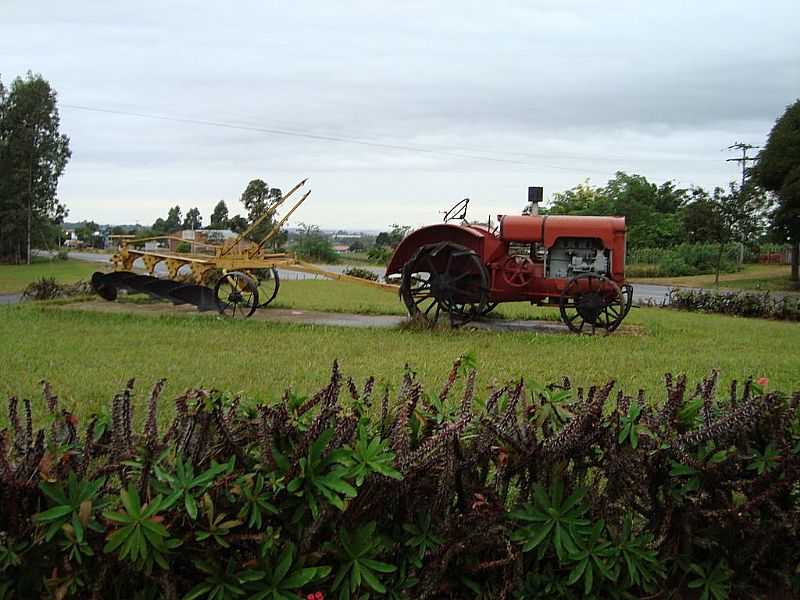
744,159
315,136
348,140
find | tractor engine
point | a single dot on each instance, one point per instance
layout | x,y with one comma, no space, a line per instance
572,256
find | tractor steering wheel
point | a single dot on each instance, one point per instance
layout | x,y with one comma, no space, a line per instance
460,208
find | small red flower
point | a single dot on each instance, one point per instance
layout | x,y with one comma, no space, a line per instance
762,381
319,596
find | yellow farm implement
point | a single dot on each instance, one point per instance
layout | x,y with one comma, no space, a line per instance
234,278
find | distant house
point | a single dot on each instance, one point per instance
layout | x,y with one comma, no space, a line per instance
341,248
199,239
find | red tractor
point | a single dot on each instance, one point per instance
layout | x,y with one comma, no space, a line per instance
465,270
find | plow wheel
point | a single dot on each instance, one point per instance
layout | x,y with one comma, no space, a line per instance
594,301
236,295
268,283
445,278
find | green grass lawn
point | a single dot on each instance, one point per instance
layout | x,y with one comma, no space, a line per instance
14,278
751,277
88,356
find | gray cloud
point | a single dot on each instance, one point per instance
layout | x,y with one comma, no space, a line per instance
554,92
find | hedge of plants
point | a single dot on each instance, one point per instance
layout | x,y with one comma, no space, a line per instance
361,273
741,304
517,491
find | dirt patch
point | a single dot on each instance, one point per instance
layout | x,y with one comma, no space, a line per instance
310,317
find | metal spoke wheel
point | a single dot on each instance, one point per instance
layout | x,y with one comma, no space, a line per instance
490,306
445,278
236,295
268,283
590,302
627,297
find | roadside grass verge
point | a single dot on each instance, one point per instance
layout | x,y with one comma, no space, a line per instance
751,277
14,278
82,353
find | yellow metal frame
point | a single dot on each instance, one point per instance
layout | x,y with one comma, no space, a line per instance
230,256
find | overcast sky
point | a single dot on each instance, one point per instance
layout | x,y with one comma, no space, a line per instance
448,99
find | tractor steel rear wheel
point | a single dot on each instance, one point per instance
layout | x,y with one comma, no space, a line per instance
445,278
590,302
236,295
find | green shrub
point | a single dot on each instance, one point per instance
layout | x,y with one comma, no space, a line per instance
183,247
361,273
47,288
62,254
642,270
522,492
311,244
741,304
379,254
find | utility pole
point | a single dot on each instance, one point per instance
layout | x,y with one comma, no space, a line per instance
744,159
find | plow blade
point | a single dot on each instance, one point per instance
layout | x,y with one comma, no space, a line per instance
138,283
107,285
115,278
163,288
197,295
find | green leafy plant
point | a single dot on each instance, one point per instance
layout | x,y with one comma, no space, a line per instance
220,583
141,537
358,565
422,537
633,556
254,495
551,520
184,484
630,428
321,477
74,504
591,557
11,553
764,461
369,454
554,406
712,580
282,578
217,525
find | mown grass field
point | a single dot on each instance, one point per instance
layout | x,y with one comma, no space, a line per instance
88,356
751,277
14,278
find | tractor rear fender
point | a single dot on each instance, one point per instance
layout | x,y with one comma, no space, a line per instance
444,232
